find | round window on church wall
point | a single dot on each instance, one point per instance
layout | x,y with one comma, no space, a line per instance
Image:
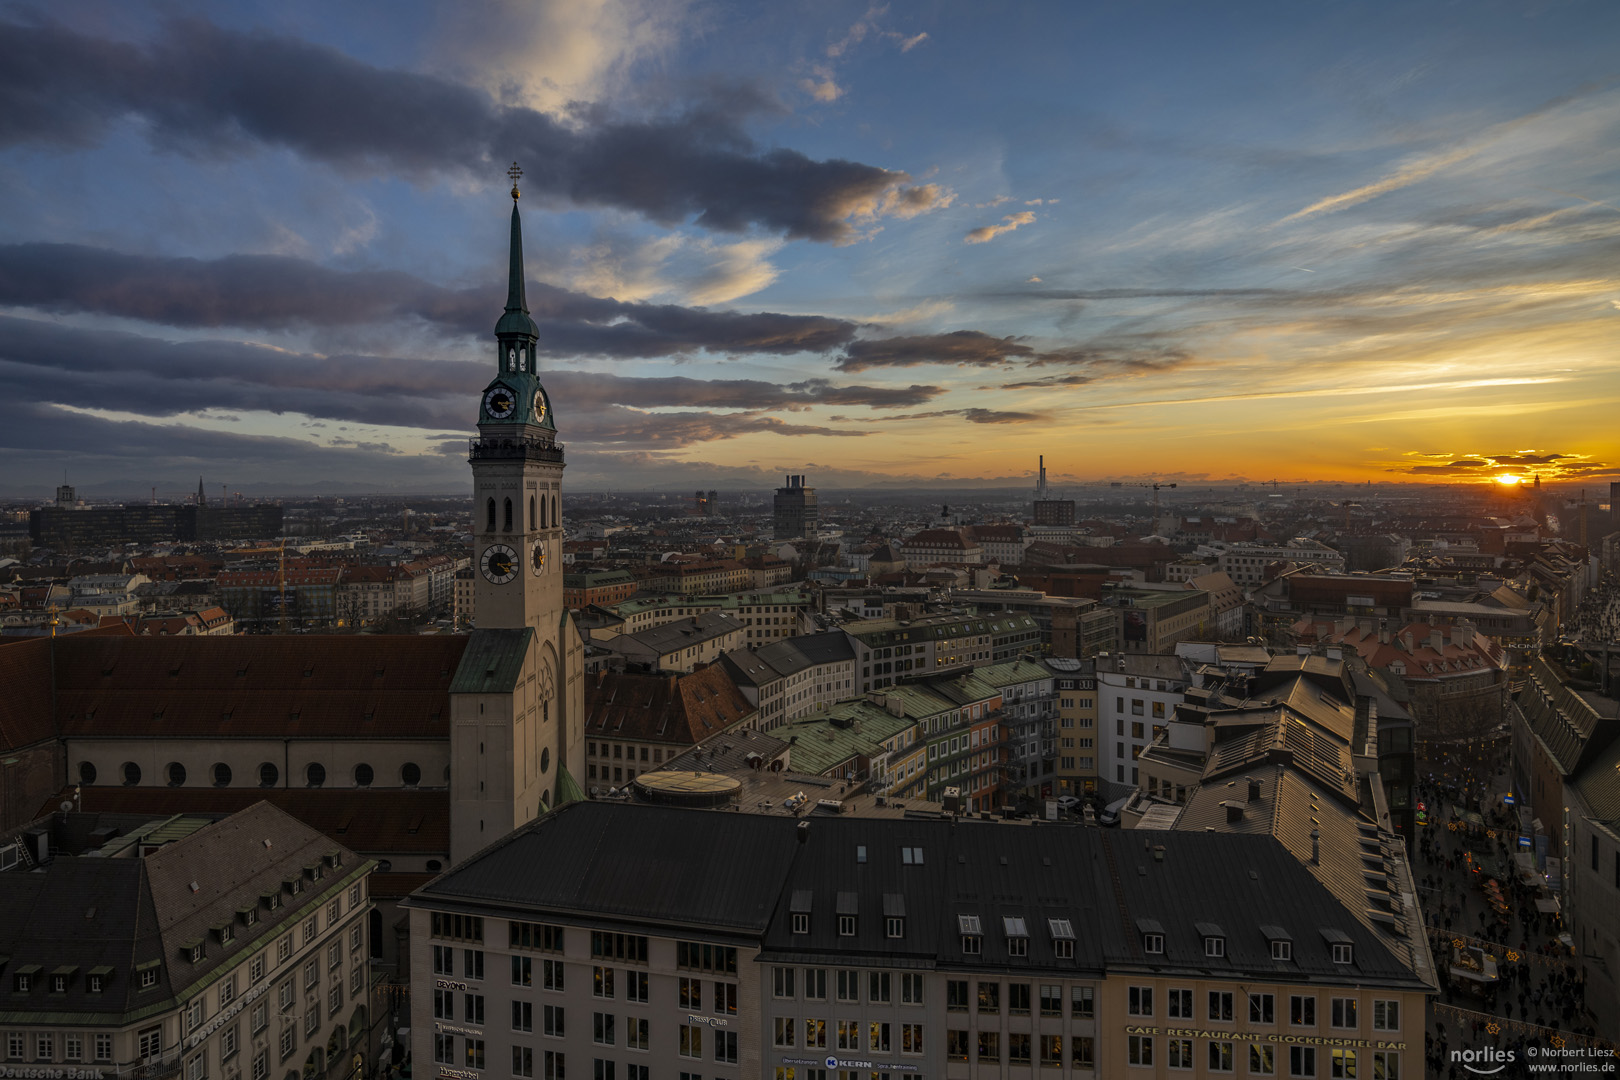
363,776
315,774
268,775
545,760
132,773
87,773
222,775
177,774
410,774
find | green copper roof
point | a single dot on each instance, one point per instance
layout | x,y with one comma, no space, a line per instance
516,319
568,789
493,662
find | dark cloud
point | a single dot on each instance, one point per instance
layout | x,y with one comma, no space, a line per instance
621,426
1469,463
588,390
1130,357
117,371
278,292
972,416
1049,382
200,88
963,347
1527,459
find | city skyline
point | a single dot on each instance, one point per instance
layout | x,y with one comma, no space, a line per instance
266,243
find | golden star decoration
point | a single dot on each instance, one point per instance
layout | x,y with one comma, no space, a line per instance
1513,954
1558,1040
1493,1028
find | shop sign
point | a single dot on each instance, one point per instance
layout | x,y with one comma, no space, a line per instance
1249,1036
226,1015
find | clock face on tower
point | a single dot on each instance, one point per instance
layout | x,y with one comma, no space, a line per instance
539,407
537,558
499,564
500,402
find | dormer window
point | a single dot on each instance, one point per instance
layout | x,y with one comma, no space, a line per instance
96,980
894,915
1340,945
1214,939
248,916
1062,938
1282,944
848,908
147,974
1017,936
192,951
224,933
1152,936
62,977
972,933
22,980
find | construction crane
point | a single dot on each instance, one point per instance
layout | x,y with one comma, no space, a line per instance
1155,485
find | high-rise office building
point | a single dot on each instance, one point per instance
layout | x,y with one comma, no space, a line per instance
796,517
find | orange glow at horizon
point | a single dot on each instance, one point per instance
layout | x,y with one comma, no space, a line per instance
1510,480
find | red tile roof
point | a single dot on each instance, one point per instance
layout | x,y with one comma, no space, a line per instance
682,709
298,687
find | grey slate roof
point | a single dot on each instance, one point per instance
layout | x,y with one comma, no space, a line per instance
611,860
751,873
124,913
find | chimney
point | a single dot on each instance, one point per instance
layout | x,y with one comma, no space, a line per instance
1254,788
1158,853
1316,847
804,832
1406,635
1234,812
1437,641
1383,632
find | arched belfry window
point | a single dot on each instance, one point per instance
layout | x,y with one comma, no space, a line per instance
555,520
543,513
531,513
508,515
489,517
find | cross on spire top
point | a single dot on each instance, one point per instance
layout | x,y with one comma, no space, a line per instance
515,173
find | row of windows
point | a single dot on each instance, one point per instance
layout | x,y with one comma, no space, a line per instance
821,1034
986,1048
1222,1055
535,522
1342,1012
363,775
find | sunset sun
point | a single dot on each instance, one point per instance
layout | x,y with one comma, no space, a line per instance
1509,479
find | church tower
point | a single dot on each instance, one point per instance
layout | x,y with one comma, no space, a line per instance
517,699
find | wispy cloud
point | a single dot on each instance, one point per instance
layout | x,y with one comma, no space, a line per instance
986,233
1422,167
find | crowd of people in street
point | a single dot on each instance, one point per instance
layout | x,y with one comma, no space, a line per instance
1468,842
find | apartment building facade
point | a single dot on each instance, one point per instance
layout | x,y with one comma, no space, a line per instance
919,948
242,967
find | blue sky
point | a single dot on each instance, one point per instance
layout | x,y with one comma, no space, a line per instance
918,243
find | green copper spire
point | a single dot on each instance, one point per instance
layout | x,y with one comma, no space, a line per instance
516,319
